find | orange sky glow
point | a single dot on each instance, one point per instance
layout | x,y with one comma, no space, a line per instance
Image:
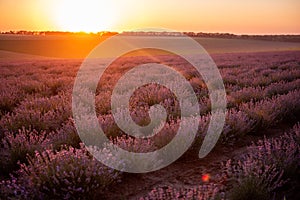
233,16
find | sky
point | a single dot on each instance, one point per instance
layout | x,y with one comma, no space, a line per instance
231,16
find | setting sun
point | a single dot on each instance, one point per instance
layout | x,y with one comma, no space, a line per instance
87,16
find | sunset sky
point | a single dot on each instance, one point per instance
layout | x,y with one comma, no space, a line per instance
233,16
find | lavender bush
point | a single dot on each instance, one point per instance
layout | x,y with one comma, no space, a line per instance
268,166
16,147
67,174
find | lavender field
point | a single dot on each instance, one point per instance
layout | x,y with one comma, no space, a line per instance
257,155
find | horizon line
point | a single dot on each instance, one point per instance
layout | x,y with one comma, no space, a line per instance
126,31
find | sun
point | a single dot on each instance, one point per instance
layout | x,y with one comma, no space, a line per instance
85,15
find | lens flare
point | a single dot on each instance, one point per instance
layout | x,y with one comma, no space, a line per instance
205,177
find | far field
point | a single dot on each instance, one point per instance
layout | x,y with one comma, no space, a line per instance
80,46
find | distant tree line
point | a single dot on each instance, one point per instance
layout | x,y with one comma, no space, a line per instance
65,33
284,38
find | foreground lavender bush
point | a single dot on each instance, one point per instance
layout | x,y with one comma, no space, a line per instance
268,165
67,174
283,152
16,147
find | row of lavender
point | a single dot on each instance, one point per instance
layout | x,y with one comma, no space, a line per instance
269,165
41,149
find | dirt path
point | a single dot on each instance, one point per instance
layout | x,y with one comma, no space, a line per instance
188,170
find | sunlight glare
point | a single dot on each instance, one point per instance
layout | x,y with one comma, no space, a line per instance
85,15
